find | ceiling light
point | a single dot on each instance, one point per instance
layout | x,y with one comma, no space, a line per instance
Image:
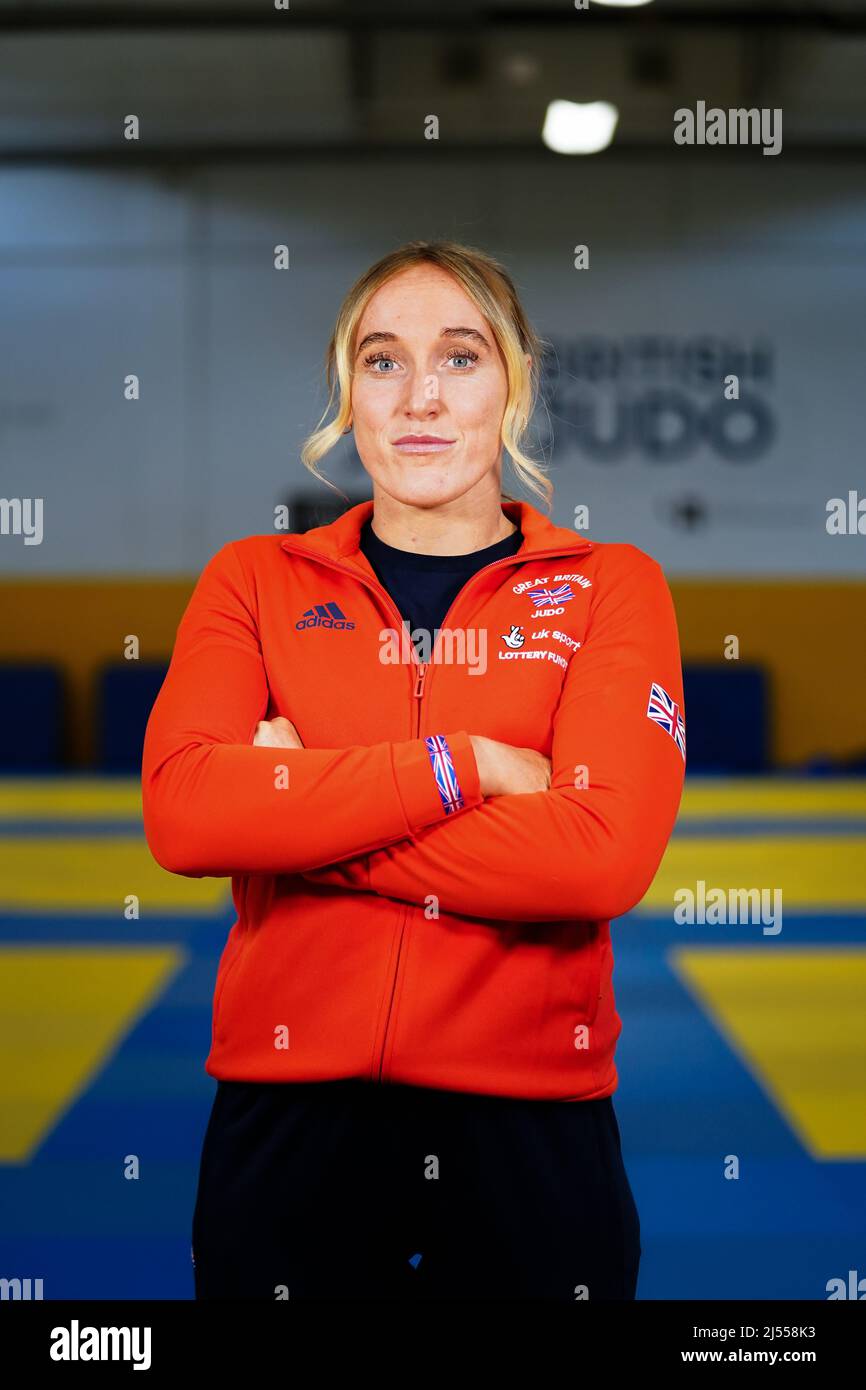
574,127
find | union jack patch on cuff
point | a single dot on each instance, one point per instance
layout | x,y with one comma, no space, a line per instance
665,712
443,771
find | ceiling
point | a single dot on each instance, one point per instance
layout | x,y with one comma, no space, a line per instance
236,78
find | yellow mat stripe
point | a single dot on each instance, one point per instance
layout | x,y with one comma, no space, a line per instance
813,873
797,1018
68,874
746,797
703,798
61,798
63,1011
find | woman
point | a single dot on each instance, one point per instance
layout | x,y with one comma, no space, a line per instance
437,745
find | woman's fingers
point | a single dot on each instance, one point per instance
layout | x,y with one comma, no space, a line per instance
276,733
504,770
266,736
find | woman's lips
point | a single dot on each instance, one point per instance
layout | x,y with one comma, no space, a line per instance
423,446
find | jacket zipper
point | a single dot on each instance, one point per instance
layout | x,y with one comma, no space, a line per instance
387,602
417,695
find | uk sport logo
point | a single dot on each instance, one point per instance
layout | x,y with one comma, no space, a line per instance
325,615
665,712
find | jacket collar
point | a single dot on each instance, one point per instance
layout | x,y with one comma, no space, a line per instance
340,540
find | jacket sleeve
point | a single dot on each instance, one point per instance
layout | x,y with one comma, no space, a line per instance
588,848
215,805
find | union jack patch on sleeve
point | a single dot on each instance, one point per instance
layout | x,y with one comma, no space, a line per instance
665,712
443,771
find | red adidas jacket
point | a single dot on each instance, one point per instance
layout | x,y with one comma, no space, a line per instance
391,923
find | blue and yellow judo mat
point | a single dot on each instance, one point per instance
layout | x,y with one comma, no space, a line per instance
742,1062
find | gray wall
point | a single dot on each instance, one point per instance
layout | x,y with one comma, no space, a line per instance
170,276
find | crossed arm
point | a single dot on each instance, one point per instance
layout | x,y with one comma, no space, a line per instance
590,846
216,805
587,848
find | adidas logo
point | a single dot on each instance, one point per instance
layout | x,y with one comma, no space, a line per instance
324,615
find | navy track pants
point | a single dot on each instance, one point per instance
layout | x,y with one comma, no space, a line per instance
347,1189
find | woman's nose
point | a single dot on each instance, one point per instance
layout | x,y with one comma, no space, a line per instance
424,394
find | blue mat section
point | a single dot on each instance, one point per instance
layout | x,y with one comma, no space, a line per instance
70,1216
788,1224
685,1101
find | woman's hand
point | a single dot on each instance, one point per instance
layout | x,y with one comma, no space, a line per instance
276,733
504,770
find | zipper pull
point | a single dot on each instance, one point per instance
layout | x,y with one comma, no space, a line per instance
419,682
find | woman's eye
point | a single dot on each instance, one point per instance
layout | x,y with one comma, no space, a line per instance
463,359
464,356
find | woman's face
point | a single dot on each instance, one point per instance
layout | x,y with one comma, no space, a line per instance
426,364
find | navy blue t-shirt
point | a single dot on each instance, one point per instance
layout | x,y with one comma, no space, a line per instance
424,586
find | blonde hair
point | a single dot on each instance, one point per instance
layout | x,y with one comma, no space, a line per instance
492,290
